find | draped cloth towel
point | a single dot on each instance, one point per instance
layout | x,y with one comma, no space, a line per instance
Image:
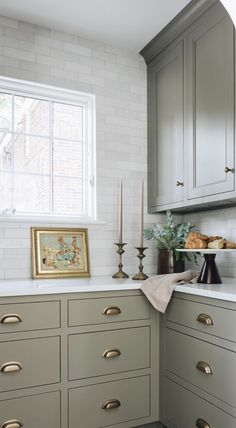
159,288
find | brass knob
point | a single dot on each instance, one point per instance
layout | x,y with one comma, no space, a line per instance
10,319
111,353
112,310
205,319
204,368
202,424
179,183
111,404
227,169
13,423
11,367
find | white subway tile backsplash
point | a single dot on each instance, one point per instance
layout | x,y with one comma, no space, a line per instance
19,54
76,48
32,47
118,79
18,34
8,22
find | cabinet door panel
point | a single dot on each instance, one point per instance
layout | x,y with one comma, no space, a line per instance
210,105
166,128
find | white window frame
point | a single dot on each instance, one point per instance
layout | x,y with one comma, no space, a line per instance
51,93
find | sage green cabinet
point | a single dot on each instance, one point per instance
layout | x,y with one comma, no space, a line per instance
184,408
166,127
86,360
210,107
191,96
198,378
93,404
32,411
105,352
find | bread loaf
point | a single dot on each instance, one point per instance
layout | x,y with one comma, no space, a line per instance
218,244
196,240
230,245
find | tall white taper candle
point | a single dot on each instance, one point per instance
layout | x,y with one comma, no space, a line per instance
121,212
141,216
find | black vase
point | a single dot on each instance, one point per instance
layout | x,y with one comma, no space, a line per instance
167,263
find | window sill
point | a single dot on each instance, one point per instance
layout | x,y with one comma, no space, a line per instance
52,220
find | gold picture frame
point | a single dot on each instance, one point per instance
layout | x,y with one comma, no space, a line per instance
59,252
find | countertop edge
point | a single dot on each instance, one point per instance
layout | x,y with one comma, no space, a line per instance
32,287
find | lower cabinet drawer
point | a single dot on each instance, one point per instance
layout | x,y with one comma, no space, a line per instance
30,362
106,352
29,316
35,411
207,366
107,310
109,403
200,316
187,410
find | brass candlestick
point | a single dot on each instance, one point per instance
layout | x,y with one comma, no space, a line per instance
120,274
141,276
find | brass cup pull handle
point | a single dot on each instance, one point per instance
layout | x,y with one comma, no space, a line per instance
111,353
111,404
202,424
179,183
13,423
227,169
10,319
112,310
205,319
11,367
204,367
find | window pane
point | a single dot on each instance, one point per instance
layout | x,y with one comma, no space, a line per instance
6,150
67,195
67,158
67,121
5,111
5,190
31,154
31,193
31,115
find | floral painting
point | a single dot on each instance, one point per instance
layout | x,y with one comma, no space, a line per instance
59,252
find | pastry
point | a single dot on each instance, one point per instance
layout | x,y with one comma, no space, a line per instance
230,244
218,244
196,240
196,235
213,238
196,244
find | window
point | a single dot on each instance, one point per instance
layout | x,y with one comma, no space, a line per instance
47,151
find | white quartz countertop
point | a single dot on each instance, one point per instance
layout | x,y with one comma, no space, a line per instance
24,287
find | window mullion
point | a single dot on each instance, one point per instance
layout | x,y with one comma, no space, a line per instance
12,169
51,196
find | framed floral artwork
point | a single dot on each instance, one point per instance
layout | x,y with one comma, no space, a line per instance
59,252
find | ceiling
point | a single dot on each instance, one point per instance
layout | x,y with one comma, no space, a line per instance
125,23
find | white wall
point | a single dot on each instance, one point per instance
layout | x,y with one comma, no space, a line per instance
118,79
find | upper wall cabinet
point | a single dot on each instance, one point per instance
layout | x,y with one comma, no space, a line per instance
191,95
166,120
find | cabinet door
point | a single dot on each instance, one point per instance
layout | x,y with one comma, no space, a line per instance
210,108
165,127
